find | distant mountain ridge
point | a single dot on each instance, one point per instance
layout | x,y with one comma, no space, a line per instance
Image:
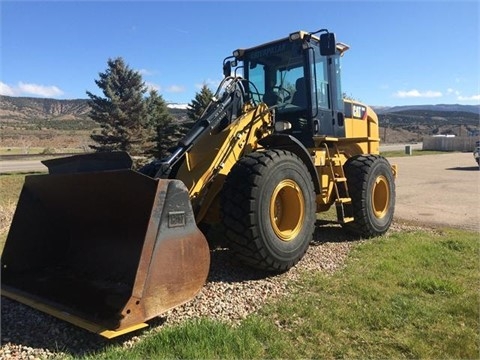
25,108
397,123
439,107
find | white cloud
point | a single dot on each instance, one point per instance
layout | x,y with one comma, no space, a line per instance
146,72
6,90
40,90
461,97
175,89
453,91
414,93
169,89
469,98
22,89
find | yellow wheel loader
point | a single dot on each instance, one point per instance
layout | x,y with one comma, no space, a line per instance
107,248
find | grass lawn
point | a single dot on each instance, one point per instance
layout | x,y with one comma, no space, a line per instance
401,153
411,295
10,187
406,295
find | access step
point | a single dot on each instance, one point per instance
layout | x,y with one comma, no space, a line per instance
344,210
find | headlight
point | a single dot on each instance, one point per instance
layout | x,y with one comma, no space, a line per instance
238,53
282,126
295,36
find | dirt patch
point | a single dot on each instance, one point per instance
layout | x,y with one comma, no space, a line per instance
438,190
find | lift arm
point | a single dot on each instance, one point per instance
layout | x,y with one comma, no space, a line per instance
222,110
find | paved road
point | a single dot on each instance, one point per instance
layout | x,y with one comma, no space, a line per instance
439,190
9,166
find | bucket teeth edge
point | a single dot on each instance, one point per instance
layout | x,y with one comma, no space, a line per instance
72,319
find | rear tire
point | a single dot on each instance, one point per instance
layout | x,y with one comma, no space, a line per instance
372,189
268,210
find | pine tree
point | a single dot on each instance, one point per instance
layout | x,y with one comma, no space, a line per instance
166,131
122,112
198,105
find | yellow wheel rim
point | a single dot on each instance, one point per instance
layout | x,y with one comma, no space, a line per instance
287,210
380,196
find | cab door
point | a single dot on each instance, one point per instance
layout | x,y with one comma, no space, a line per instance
327,113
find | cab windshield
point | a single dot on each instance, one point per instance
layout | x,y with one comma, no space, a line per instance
276,75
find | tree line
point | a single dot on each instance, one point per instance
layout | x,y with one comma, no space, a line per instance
135,119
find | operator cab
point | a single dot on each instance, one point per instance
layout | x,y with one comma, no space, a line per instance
298,77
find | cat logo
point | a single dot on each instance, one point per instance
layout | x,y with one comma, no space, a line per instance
358,111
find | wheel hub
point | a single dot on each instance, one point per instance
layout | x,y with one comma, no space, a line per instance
287,210
380,196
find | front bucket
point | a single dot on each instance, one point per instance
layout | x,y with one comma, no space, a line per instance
105,251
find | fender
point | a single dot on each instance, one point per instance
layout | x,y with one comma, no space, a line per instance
292,144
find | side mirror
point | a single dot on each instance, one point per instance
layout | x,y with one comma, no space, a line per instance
227,68
327,44
228,65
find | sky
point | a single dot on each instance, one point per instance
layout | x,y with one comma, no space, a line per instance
401,52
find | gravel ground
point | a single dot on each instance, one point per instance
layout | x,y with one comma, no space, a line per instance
232,292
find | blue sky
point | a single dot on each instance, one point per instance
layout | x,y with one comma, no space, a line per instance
402,52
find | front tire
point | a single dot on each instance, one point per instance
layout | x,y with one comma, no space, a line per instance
268,209
372,190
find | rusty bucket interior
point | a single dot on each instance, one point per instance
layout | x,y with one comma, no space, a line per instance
106,250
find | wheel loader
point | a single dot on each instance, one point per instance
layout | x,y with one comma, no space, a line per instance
107,248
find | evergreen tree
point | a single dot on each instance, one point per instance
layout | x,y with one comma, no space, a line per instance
122,112
166,131
198,105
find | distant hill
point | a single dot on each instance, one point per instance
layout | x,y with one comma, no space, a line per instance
439,107
27,109
51,123
429,117
43,121
402,124
32,109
